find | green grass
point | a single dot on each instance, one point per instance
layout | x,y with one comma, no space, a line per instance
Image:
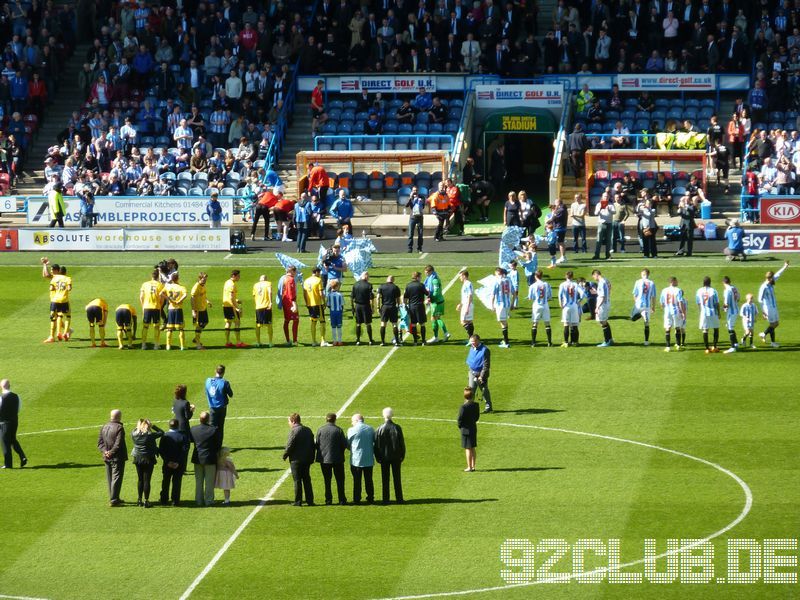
60,540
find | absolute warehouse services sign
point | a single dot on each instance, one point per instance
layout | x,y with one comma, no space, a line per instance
123,239
134,210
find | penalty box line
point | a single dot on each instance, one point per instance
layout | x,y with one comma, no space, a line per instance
274,489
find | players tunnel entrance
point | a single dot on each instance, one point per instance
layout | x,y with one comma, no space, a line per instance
527,138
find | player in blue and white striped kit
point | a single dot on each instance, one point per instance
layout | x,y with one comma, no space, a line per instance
769,304
570,296
673,304
501,302
603,308
748,312
644,299
707,300
730,302
335,302
540,293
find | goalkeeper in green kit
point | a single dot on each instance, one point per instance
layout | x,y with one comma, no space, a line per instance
436,299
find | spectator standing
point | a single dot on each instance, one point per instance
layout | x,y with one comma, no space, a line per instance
331,443
218,393
390,451
468,416
144,455
9,423
479,365
577,212
361,442
687,212
111,444
174,450
416,206
207,443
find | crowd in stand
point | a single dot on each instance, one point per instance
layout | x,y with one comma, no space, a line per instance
38,39
167,91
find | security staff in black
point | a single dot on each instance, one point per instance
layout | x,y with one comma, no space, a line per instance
9,421
388,299
414,299
362,297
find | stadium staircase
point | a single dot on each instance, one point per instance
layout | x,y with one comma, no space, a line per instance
68,98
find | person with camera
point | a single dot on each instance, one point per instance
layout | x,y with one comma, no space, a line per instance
734,234
648,227
687,210
416,204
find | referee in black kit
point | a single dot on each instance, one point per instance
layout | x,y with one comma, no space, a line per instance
388,299
362,297
414,298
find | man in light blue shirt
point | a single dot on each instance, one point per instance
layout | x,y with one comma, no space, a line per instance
218,393
361,442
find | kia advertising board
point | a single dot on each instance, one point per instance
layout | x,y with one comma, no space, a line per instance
780,210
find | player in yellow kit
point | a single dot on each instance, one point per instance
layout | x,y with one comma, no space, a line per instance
262,296
97,314
126,325
60,287
315,302
151,296
200,306
232,310
175,294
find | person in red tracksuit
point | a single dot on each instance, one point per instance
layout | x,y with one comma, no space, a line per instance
287,293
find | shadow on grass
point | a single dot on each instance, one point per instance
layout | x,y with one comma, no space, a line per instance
520,469
264,448
260,470
67,465
450,500
528,411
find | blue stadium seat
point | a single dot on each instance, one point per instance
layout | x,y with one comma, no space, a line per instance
405,128
359,182
628,114
612,115
703,124
329,129
362,116
676,103
708,102
776,125
348,114
435,128
344,128
423,117
690,113
642,114
335,114
641,125
675,113
692,103
395,104
350,104
335,104
658,115
790,124
451,128
630,102
595,128
390,128
423,179
791,114
706,112
662,103
391,181
420,129
324,146
776,115
403,194
456,103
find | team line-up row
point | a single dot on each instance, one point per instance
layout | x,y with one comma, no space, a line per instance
408,311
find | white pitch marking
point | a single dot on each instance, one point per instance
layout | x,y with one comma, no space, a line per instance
748,495
21,597
286,474
423,255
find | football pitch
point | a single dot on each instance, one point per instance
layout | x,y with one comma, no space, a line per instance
593,457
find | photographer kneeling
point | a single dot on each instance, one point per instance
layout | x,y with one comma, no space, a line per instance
735,236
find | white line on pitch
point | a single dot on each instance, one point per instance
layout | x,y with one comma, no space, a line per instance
286,473
21,597
423,255
227,256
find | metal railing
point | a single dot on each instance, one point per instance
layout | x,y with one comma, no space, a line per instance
560,149
462,143
415,142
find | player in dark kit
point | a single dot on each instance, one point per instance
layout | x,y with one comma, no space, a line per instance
414,299
388,299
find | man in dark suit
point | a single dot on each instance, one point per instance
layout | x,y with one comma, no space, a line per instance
206,448
111,443
9,421
300,451
331,443
390,451
174,450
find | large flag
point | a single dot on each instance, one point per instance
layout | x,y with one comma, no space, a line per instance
287,261
484,293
